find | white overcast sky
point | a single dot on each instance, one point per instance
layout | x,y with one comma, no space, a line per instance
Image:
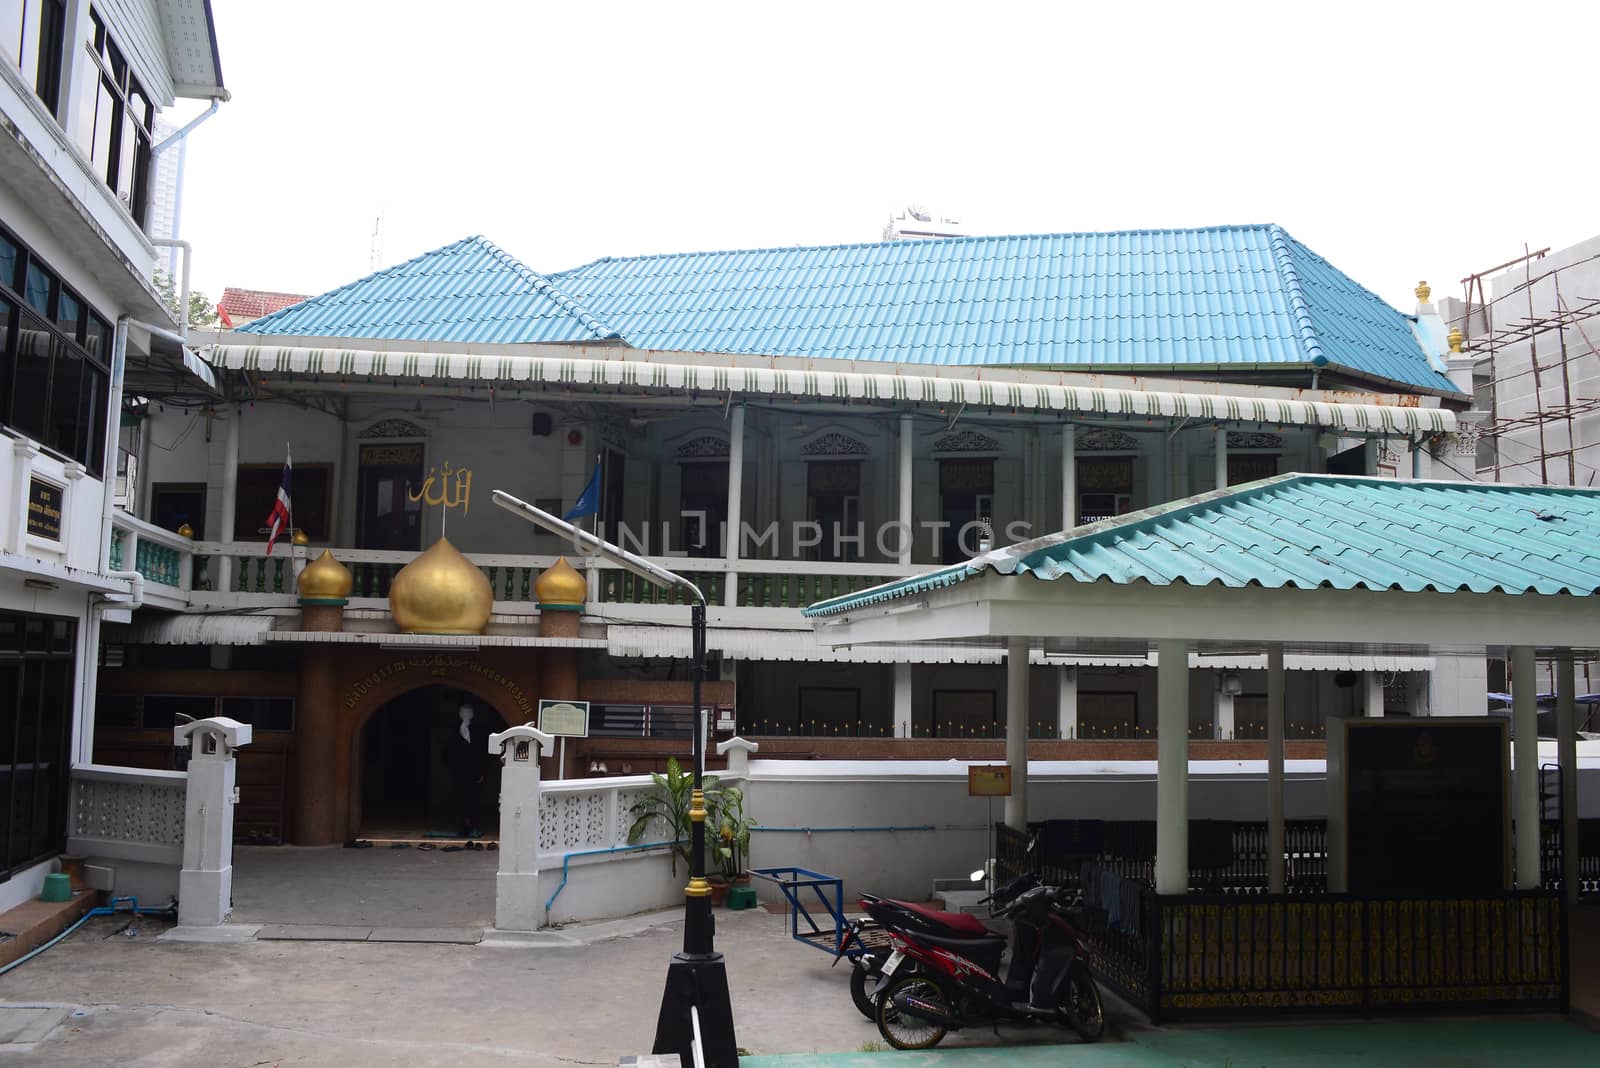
1401,141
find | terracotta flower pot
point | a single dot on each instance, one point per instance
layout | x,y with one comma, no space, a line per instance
719,889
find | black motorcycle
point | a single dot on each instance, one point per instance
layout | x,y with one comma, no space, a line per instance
953,982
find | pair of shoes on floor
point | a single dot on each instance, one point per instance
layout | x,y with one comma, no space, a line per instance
427,845
358,843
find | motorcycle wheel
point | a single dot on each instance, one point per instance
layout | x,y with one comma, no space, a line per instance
902,1030
863,975
1081,1005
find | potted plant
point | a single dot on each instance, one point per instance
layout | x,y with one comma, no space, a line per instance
668,805
729,835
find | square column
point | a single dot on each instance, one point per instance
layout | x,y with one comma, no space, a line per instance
1172,766
1525,761
1017,732
1567,758
902,700
1220,474
730,542
1067,702
1372,689
1069,477
903,516
1275,866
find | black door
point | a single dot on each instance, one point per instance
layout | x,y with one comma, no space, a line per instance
386,516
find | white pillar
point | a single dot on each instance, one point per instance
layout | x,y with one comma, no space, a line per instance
1275,874
1172,767
1067,702
1069,477
730,541
1222,713
1372,688
903,516
902,700
1017,732
1525,759
517,906
222,574
1567,758
1220,475
205,883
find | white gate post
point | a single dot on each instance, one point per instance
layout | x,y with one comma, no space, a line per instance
205,883
516,881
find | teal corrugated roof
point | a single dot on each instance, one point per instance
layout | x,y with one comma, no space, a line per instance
1316,531
468,291
1236,297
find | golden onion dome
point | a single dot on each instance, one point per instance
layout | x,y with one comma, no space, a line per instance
560,584
186,531
300,538
440,592
325,579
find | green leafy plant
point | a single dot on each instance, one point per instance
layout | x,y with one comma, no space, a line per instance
668,805
730,844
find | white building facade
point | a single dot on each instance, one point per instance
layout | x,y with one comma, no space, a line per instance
80,86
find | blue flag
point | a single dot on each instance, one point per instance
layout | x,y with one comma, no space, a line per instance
589,502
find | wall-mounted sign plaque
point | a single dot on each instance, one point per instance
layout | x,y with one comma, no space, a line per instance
44,509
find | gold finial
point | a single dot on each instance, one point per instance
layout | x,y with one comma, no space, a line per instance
1424,291
560,585
1456,338
325,579
186,531
440,592
300,538
697,807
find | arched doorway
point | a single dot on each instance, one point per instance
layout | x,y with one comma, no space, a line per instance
406,784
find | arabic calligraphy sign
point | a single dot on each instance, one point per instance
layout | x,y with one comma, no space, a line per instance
451,488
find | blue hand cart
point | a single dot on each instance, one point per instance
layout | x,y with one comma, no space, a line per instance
837,936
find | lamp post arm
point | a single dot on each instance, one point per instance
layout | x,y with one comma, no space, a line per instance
593,545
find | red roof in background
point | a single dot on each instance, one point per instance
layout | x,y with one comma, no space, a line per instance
253,303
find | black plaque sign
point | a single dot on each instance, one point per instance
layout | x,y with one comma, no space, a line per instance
1426,805
44,509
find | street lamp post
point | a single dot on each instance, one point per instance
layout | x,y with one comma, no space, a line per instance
696,995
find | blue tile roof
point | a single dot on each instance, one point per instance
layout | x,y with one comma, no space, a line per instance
1311,531
467,291
1244,298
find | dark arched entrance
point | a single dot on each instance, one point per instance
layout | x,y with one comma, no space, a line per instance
406,789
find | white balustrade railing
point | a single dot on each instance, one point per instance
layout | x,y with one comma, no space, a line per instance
127,814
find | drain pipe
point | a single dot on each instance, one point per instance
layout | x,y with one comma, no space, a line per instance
566,862
182,336
104,910
186,129
108,474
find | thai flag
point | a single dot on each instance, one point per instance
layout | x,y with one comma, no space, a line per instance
278,519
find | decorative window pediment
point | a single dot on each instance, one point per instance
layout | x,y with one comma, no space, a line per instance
707,446
833,444
966,441
393,428
1107,441
1241,440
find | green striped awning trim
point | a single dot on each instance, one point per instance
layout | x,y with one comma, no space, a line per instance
517,371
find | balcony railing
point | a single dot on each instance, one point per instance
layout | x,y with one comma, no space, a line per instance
164,559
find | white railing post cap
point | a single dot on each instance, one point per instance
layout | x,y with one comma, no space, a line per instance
230,732
522,732
736,742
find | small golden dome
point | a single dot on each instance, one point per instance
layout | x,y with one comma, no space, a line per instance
560,584
186,531
440,592
1456,338
300,538
1423,291
325,579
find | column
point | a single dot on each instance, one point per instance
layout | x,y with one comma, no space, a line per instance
1525,761
1567,758
1067,702
1017,732
316,815
1069,477
1372,688
1220,475
1275,873
902,700
222,575
517,902
1172,766
903,516
730,543
205,883
1222,710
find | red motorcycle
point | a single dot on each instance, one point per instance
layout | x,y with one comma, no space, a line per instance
952,982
